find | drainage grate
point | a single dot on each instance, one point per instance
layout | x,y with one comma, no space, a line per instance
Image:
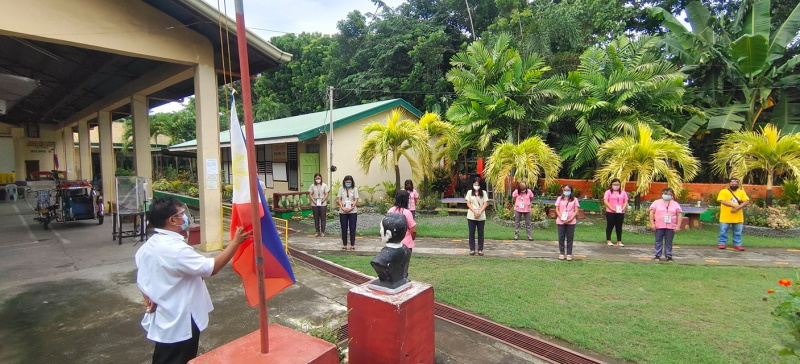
518,339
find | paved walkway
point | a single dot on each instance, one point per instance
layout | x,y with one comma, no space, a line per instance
694,254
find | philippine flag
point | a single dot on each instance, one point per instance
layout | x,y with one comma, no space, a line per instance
278,272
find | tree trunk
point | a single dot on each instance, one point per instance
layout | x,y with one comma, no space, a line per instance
769,189
396,179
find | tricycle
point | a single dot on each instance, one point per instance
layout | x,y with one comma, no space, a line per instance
69,201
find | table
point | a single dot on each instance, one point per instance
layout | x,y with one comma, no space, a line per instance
138,230
693,217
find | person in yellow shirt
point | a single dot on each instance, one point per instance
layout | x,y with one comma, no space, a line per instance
732,201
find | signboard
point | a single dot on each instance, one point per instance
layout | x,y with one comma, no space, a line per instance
38,146
279,153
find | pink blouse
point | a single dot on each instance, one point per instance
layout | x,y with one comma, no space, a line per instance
616,199
663,209
408,241
522,203
571,207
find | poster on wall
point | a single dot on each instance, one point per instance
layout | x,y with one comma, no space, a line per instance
279,171
38,146
279,153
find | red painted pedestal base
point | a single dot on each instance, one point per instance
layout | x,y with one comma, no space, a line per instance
285,346
391,328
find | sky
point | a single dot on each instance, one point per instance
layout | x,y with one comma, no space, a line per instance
270,18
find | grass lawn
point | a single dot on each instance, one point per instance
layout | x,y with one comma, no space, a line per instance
455,227
647,313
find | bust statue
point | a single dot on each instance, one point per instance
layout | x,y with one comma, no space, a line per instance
391,261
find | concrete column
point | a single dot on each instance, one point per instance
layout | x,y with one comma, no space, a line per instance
20,149
207,107
85,146
141,140
68,161
107,157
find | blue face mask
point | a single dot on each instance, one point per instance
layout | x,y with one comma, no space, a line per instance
567,193
348,185
185,222
666,197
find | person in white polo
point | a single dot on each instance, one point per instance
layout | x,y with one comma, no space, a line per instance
170,276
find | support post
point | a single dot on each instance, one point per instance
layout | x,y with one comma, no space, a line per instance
69,153
107,157
207,109
141,140
85,150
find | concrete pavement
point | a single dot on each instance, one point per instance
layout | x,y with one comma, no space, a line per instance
69,295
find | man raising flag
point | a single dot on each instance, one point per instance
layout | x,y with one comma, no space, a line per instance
278,272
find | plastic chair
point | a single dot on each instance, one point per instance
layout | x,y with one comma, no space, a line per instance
11,192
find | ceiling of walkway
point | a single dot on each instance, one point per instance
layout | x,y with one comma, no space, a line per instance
71,78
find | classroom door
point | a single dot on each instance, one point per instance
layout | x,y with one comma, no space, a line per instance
309,165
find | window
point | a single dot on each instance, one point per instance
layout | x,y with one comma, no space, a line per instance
293,172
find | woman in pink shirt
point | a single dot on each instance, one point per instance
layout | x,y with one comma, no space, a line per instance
616,200
401,207
413,196
522,208
566,210
666,219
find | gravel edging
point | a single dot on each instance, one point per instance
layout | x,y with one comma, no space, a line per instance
770,232
544,224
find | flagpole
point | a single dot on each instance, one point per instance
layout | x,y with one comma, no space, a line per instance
244,70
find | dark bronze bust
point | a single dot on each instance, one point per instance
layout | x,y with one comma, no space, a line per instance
391,261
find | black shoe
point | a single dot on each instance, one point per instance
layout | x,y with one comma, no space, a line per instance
669,259
657,259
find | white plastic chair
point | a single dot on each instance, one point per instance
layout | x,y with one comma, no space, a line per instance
11,192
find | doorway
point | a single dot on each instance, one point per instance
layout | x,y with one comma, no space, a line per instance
30,167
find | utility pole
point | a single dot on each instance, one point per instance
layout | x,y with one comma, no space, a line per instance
469,12
330,145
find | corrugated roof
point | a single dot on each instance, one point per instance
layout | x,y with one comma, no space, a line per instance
304,127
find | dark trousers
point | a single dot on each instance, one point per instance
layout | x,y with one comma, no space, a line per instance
320,218
180,352
348,221
524,217
565,232
473,224
614,221
666,235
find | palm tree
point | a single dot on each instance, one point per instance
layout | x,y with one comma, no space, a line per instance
444,138
744,151
525,161
398,138
614,89
501,94
645,159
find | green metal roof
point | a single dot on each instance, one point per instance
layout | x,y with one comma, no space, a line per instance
308,126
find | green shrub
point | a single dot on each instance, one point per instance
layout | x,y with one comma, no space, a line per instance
553,189
441,180
381,206
638,217
389,187
598,191
683,195
791,191
162,185
772,217
123,172
506,213
443,213
428,203
193,191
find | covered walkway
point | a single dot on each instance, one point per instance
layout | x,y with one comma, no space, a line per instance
94,61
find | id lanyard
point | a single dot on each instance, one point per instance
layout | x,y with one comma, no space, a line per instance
565,213
668,215
521,200
319,193
618,207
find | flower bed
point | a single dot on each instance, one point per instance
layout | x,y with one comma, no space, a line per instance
770,232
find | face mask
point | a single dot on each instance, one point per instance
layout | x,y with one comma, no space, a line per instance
734,188
615,187
185,222
318,181
666,197
476,188
567,193
348,185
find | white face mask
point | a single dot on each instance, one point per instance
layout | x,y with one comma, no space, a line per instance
318,180
476,188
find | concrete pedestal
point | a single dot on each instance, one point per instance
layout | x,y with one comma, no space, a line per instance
285,346
395,328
